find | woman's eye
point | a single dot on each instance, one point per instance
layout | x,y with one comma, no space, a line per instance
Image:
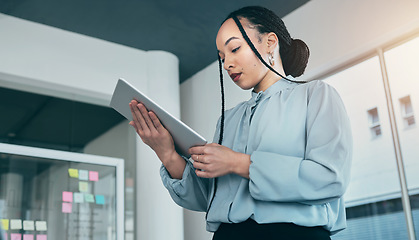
235,50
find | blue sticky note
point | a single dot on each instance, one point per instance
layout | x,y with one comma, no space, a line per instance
100,199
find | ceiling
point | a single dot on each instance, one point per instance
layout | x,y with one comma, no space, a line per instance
185,28
42,121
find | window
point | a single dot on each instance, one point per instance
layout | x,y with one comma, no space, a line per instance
373,196
407,111
374,122
401,63
373,204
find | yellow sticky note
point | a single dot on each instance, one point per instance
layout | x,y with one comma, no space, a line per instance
74,173
5,224
83,187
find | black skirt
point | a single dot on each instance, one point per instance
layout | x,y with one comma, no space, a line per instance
279,231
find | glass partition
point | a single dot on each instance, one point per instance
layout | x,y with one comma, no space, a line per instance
373,199
402,64
48,194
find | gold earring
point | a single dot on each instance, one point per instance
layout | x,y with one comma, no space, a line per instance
271,59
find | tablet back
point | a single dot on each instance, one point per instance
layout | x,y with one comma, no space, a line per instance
183,136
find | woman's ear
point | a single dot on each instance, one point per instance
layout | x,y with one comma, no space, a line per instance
272,41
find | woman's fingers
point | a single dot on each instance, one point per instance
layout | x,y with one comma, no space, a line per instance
214,160
197,150
132,123
145,115
199,158
135,118
141,118
200,165
151,132
156,121
203,174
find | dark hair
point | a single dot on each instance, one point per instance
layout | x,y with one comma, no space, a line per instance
294,52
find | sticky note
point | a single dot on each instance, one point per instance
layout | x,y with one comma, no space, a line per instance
41,237
27,236
28,226
74,173
67,207
83,187
15,236
5,224
67,197
4,236
15,224
41,225
84,175
89,198
93,176
100,199
78,197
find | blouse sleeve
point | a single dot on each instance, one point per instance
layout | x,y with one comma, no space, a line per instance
323,173
190,192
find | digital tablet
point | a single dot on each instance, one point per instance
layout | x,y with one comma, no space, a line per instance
183,136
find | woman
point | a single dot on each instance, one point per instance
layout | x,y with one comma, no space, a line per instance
282,160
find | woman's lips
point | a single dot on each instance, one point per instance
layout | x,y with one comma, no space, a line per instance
235,76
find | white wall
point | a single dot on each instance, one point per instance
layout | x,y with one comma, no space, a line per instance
53,62
337,32
158,217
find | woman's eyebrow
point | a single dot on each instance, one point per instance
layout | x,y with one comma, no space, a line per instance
232,38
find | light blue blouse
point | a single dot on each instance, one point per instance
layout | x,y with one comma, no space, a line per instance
300,144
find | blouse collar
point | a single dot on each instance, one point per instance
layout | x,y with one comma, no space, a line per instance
274,88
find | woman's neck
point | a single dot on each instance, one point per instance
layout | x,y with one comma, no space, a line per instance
266,83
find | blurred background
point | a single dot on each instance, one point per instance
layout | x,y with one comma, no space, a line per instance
59,63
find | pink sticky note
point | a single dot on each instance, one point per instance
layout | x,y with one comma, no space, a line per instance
27,236
93,176
67,207
15,236
41,237
67,197
5,236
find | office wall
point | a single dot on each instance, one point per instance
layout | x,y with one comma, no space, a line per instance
51,61
54,62
337,32
154,208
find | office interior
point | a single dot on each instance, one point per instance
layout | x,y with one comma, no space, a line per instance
62,146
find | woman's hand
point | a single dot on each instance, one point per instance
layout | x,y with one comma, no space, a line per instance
152,132
214,160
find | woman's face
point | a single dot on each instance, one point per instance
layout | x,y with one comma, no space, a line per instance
243,66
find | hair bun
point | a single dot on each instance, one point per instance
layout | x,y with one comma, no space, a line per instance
295,58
